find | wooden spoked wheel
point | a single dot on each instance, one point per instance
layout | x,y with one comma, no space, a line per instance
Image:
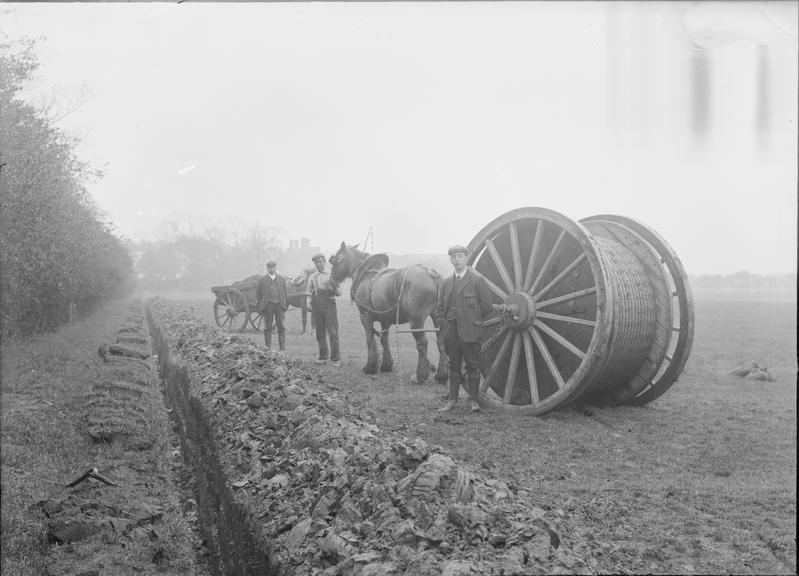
674,306
231,311
546,345
257,320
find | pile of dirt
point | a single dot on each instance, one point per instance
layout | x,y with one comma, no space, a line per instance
334,492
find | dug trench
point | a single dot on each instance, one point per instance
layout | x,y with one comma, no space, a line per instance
291,479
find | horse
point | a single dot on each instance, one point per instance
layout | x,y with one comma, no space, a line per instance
391,296
295,296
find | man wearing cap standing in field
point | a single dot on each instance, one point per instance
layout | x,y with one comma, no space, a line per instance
271,296
321,294
464,299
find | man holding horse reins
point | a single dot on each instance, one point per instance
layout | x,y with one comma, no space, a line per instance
464,299
321,295
271,296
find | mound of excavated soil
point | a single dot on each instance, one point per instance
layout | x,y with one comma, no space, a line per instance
333,492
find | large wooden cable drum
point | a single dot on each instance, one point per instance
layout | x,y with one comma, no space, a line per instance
598,311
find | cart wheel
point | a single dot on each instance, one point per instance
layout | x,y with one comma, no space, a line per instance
231,311
257,320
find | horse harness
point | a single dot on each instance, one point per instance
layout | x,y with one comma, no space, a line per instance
362,271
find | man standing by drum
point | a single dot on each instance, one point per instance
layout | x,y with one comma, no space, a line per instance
271,296
464,299
321,294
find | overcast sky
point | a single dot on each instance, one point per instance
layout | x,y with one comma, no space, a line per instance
425,121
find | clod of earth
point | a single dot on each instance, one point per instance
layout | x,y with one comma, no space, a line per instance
128,351
64,532
132,340
752,370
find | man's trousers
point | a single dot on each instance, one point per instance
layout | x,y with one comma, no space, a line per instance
325,317
274,313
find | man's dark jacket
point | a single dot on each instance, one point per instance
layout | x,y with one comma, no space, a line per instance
262,291
468,303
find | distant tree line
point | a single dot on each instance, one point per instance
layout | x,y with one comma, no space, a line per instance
189,256
195,256
55,249
744,284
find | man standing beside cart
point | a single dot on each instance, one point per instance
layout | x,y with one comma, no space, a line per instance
271,296
321,294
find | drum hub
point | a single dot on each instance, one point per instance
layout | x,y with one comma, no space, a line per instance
517,311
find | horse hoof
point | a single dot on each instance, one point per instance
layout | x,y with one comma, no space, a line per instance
385,368
369,370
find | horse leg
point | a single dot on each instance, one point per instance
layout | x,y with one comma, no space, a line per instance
422,363
442,372
304,309
388,361
371,346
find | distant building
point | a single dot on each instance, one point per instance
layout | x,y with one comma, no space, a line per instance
298,254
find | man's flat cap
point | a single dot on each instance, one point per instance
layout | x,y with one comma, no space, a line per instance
458,249
319,256
271,264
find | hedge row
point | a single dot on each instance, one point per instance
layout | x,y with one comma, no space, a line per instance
56,251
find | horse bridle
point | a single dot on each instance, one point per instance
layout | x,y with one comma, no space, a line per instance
356,272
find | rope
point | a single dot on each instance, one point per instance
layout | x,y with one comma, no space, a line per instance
371,235
634,320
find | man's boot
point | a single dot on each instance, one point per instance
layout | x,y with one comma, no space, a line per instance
454,385
473,381
268,338
281,339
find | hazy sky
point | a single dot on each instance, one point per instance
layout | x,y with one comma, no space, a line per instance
425,121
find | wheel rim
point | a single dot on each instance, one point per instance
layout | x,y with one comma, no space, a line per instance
544,345
257,320
231,311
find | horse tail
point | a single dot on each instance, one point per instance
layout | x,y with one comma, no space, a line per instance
435,275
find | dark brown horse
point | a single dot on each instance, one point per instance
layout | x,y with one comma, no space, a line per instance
390,296
295,289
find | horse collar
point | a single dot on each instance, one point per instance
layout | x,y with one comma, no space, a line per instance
356,276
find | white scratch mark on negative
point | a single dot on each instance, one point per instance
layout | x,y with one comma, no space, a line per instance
160,9
186,169
366,22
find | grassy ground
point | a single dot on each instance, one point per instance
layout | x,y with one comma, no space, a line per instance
700,481
54,394
41,442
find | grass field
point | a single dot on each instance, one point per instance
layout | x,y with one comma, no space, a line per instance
700,481
51,400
